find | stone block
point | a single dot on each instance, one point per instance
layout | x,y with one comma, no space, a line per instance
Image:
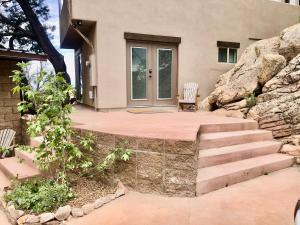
126,172
153,145
182,162
149,186
180,177
5,95
11,117
180,147
180,190
104,143
5,110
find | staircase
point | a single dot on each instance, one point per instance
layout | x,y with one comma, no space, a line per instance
21,166
233,153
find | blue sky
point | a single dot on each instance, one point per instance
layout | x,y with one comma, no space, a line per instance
54,20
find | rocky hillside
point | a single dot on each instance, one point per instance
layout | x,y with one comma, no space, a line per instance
264,85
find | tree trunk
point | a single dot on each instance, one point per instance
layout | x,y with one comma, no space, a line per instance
56,59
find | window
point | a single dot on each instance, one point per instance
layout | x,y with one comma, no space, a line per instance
287,1
227,51
227,55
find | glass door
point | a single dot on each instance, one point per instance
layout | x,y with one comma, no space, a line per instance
151,74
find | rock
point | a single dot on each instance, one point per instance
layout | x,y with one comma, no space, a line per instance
290,42
290,149
54,222
229,113
271,65
77,212
120,192
46,217
63,213
98,203
270,69
14,213
106,199
111,197
28,219
87,208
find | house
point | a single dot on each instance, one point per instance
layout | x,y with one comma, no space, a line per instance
9,116
140,53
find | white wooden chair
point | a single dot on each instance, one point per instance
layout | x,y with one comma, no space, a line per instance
7,138
190,97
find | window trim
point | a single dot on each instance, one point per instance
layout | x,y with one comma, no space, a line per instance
227,49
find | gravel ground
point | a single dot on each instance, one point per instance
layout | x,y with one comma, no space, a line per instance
88,190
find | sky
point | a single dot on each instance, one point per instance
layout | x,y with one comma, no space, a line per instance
68,54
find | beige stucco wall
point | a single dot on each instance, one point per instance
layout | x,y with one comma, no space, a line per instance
199,23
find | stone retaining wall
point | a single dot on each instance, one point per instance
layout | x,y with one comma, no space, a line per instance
9,116
156,165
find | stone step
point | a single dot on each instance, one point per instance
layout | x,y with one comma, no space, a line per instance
222,139
225,127
216,177
216,156
13,168
36,141
26,157
4,181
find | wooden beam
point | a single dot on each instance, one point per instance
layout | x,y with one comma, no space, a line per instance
151,38
227,44
17,55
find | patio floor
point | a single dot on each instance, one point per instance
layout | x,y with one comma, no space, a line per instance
267,200
169,125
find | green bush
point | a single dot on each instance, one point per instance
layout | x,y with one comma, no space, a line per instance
39,195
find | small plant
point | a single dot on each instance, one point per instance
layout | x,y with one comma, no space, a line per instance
4,152
39,196
250,100
48,95
117,154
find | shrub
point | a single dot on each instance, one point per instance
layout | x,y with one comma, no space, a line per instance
48,95
250,100
39,195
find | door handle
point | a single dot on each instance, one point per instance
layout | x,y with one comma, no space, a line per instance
150,72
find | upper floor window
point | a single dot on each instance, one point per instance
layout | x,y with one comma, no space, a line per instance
227,51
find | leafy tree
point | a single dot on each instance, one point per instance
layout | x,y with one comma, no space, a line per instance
23,26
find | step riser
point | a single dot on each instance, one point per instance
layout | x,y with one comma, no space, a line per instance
234,140
208,128
11,173
204,187
25,159
236,156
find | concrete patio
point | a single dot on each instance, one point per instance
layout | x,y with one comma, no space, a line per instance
267,200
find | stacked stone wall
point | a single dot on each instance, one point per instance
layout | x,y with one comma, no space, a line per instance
9,116
156,165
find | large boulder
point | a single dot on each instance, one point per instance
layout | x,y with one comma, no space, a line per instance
271,70
271,65
290,42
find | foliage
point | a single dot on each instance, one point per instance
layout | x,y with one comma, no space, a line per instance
39,195
117,154
250,100
52,121
4,152
15,30
47,94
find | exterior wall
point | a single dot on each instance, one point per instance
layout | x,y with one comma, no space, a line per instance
9,116
200,24
86,76
292,2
